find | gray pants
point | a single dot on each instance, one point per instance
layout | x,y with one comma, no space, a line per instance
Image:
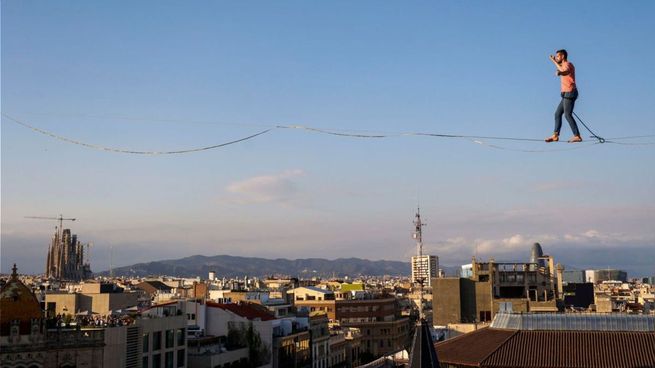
566,108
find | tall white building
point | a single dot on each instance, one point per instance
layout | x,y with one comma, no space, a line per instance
425,268
590,276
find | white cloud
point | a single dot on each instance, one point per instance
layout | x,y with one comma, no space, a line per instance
610,239
266,188
517,246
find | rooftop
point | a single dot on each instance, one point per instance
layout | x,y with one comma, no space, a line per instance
574,321
154,284
493,347
315,289
17,303
248,311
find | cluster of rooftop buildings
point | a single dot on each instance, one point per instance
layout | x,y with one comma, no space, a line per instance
165,321
488,316
484,289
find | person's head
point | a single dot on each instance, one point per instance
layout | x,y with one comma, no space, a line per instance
561,55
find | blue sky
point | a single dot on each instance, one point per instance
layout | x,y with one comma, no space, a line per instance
108,73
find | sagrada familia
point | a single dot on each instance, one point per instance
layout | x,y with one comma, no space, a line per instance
66,258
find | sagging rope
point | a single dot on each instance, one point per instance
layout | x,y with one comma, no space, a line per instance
324,131
418,134
119,150
341,133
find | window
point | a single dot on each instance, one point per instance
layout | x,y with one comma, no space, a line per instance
156,341
169,359
180,336
156,361
170,338
144,362
485,316
51,308
181,354
146,343
505,307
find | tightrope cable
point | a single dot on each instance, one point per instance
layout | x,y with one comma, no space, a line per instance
332,132
345,133
494,146
119,150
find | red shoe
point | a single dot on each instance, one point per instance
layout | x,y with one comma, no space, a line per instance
575,139
552,138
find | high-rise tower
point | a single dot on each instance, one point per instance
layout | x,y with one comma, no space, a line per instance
423,353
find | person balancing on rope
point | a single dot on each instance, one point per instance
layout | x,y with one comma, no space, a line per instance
566,72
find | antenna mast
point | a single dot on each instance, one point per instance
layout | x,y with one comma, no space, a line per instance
111,261
418,236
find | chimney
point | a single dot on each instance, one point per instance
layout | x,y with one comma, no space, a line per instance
560,279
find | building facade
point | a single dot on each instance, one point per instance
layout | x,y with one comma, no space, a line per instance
25,341
610,275
383,329
65,260
424,269
320,339
229,335
494,287
100,302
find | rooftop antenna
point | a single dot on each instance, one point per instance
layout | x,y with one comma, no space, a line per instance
418,236
111,261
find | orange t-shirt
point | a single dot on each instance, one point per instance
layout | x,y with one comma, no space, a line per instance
568,81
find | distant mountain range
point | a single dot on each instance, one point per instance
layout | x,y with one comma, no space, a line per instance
230,266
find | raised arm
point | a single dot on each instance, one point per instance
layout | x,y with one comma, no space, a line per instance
560,68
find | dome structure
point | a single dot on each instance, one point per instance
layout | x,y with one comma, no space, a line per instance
536,254
18,305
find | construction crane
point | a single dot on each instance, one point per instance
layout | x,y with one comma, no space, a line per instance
61,220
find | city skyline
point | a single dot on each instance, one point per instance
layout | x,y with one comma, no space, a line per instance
172,76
